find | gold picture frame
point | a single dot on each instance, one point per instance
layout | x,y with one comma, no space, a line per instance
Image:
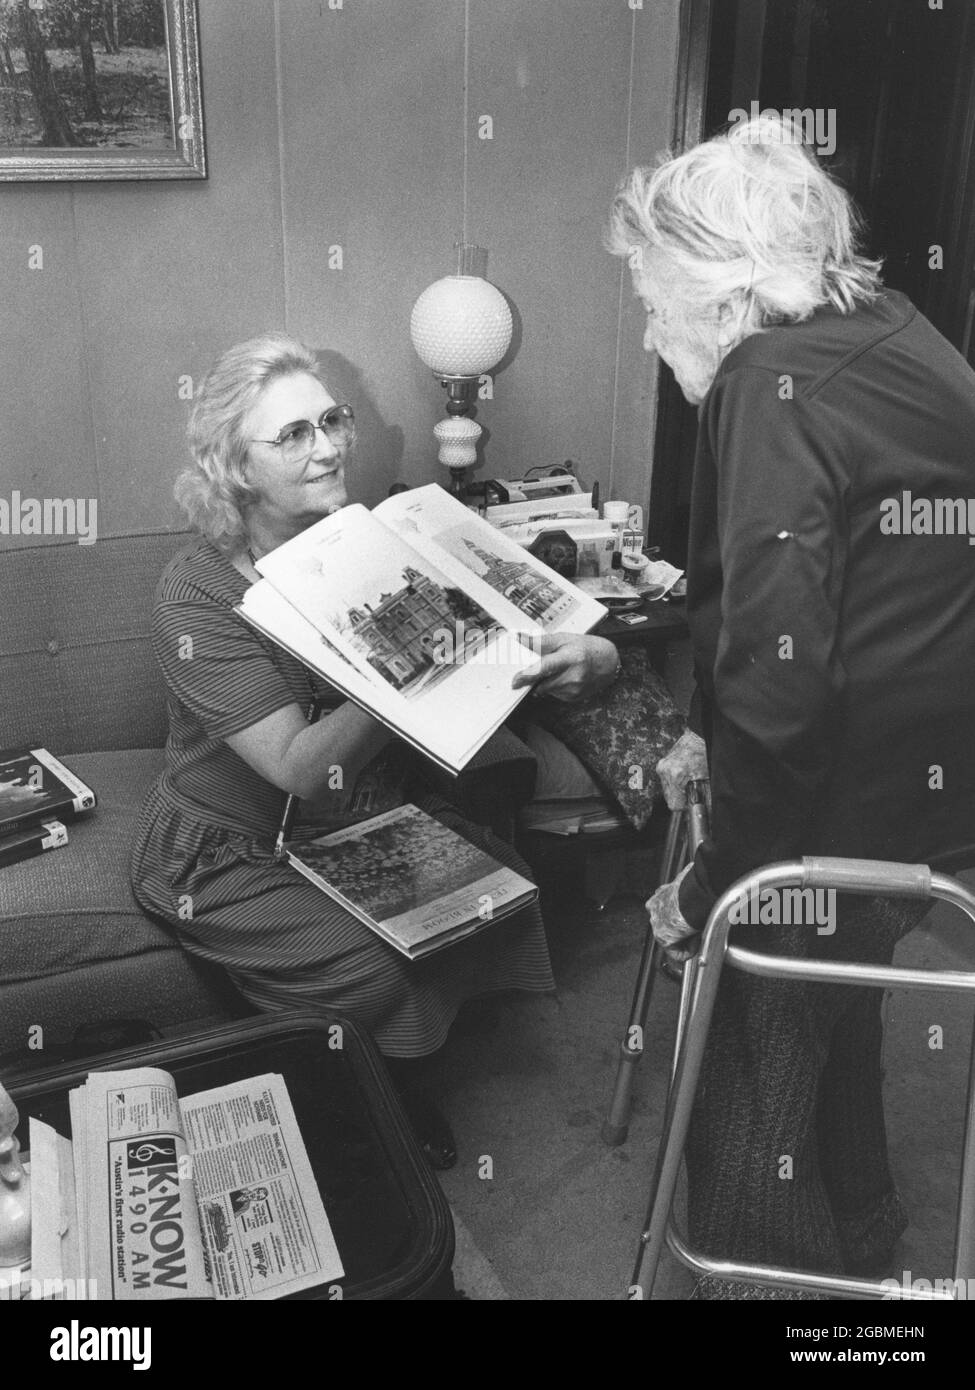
132,113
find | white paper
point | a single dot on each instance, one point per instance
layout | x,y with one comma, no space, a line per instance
45,1208
56,1271
263,1218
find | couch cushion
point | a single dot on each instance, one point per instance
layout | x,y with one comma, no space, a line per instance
73,906
76,668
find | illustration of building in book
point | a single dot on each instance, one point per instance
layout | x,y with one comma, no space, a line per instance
535,595
402,635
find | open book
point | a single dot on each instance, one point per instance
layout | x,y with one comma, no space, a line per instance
211,1196
418,884
419,611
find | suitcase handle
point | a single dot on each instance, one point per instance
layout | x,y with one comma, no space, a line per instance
867,876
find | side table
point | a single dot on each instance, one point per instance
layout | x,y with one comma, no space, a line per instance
664,621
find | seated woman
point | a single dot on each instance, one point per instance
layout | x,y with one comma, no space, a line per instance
270,446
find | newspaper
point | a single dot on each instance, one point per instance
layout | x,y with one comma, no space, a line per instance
208,1197
263,1219
143,1230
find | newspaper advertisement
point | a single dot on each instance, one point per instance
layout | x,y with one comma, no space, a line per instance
144,1238
265,1226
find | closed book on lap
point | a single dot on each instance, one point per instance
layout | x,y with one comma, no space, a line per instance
416,883
35,786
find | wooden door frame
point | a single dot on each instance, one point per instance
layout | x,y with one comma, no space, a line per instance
693,55
952,304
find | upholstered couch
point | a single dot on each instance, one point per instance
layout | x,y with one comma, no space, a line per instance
77,676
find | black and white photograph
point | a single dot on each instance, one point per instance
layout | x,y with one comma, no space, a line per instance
554,419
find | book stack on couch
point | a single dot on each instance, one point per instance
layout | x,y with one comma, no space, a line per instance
37,795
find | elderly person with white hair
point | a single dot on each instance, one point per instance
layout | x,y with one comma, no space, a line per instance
270,446
831,602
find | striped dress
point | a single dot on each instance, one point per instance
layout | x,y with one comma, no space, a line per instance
203,860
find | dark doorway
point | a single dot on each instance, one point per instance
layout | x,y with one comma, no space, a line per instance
900,77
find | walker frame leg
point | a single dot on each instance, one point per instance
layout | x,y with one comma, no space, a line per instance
616,1126
857,876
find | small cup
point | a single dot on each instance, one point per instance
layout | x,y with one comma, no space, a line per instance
634,567
616,513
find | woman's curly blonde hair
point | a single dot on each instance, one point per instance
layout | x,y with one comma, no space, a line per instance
213,490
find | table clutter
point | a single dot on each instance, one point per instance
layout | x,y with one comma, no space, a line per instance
602,549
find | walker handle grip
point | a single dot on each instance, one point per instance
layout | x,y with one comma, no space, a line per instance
867,876
698,826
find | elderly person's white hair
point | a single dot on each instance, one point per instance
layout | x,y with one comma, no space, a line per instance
213,491
748,218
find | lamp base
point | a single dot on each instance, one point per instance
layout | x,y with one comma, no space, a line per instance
457,487
458,434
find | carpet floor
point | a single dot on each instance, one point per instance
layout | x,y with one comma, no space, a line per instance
545,1211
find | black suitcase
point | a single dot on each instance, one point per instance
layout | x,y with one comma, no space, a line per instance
389,1216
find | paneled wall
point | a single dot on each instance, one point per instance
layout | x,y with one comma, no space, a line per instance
345,127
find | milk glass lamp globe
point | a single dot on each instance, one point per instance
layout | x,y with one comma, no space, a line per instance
461,326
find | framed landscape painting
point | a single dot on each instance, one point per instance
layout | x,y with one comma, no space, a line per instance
100,89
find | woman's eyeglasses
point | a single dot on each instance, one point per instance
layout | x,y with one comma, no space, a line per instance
297,440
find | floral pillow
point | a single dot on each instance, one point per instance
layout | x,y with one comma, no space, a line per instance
620,734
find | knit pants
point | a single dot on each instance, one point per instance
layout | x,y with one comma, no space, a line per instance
787,1151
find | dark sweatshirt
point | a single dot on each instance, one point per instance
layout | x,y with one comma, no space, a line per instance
834,657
